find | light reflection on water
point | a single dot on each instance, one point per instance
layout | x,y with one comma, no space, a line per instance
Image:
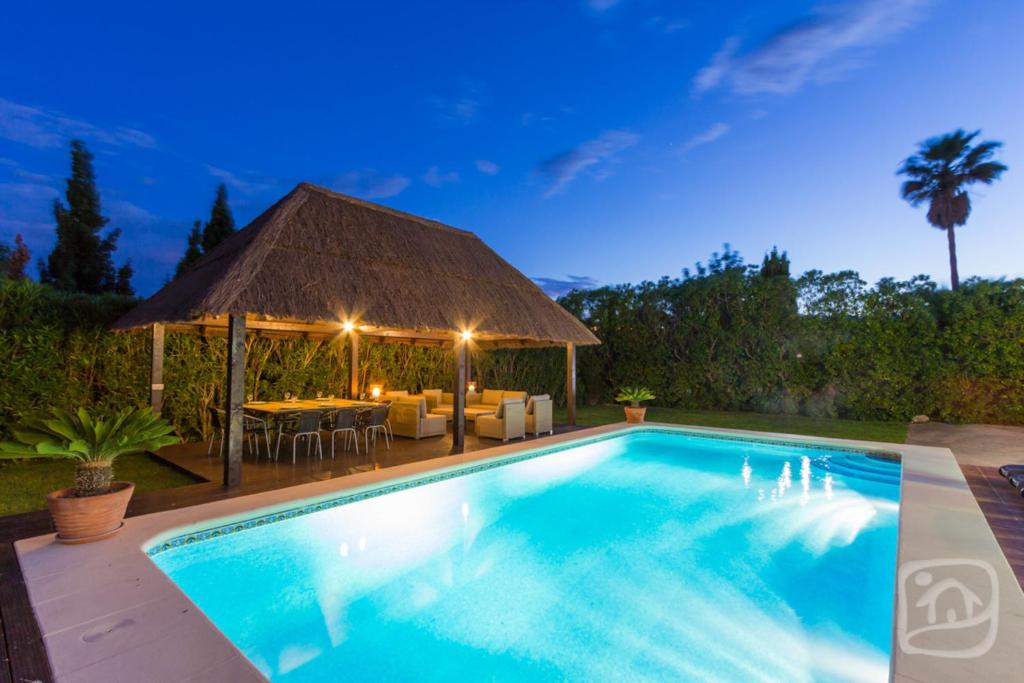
645,557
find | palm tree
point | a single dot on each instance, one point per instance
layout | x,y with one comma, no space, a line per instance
940,174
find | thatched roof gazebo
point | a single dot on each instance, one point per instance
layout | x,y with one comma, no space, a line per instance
319,264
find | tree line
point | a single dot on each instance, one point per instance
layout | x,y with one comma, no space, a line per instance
82,258
736,336
727,335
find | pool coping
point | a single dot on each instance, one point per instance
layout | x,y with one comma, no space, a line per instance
107,612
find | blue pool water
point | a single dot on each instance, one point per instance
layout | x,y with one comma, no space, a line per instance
650,556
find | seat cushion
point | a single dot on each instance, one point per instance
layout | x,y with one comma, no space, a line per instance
434,423
471,413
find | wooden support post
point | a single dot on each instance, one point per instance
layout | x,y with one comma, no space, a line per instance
234,391
469,365
570,383
459,398
156,370
353,365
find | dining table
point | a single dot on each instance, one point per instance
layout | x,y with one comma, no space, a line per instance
276,413
275,408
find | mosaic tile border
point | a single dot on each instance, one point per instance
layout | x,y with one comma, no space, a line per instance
211,533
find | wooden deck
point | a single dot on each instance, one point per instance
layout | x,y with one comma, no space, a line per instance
1004,510
22,655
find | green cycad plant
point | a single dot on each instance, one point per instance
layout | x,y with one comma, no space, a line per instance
93,442
633,395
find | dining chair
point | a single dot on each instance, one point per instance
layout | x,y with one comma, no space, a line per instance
217,420
307,426
345,423
375,420
251,427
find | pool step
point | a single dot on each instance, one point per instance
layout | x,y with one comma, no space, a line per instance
860,467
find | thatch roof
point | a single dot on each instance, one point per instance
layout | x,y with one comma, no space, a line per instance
316,259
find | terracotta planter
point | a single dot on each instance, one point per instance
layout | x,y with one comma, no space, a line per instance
635,415
93,518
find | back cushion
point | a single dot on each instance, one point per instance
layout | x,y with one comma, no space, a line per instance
501,409
514,395
433,397
396,393
529,404
491,396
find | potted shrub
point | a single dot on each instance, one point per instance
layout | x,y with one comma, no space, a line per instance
94,507
633,395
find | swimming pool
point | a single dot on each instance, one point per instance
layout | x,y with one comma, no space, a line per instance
651,554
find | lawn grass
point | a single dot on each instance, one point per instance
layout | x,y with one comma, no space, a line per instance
890,432
25,483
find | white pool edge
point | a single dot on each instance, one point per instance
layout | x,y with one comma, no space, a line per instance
107,612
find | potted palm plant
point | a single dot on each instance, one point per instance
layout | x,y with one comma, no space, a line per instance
94,507
634,395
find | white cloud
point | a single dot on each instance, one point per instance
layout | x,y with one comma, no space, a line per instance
29,191
556,287
667,26
370,184
32,176
461,109
122,211
487,167
246,185
435,178
591,156
708,136
712,74
821,47
43,128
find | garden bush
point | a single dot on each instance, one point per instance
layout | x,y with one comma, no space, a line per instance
729,336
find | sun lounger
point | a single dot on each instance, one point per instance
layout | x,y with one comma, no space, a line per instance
1007,470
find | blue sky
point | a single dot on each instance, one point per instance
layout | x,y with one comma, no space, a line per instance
589,141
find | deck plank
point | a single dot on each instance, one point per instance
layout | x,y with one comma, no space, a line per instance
1003,508
5,659
24,643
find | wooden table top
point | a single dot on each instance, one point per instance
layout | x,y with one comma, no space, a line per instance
305,404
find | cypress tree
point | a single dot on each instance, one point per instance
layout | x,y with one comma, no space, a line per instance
221,224
81,259
775,264
193,251
18,259
123,281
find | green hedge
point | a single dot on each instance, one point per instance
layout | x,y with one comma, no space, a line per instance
733,338
56,349
728,337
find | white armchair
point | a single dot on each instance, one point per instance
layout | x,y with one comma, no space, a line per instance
409,417
539,411
509,422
